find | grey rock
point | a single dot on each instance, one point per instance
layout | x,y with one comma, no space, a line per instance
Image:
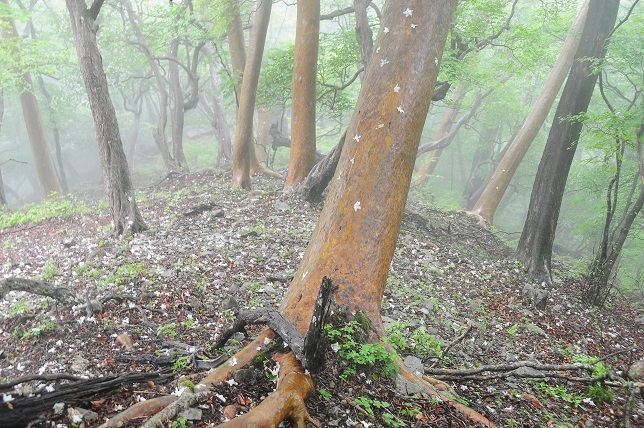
191,414
640,320
217,213
69,242
79,364
538,296
281,206
230,304
527,372
472,294
196,304
403,385
636,371
269,289
87,415
245,376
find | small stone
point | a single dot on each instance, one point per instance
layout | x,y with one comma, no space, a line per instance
69,242
269,289
218,213
87,415
79,364
640,320
191,414
246,376
636,371
281,206
230,304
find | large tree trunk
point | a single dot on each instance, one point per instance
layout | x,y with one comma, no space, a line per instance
244,157
357,231
303,144
43,164
535,245
489,200
116,174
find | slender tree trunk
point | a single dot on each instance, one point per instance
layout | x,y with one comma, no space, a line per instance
535,245
244,157
159,133
263,127
429,165
489,200
116,174
54,123
303,144
356,234
364,35
602,268
236,44
43,164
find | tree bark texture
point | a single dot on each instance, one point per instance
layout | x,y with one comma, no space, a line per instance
236,44
364,35
244,157
489,200
305,65
355,237
116,175
43,164
535,245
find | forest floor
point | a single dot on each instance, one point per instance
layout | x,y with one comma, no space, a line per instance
211,250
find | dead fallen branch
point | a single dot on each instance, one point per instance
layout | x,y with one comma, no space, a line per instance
28,378
62,294
20,411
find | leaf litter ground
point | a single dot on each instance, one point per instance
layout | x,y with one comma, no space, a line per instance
211,250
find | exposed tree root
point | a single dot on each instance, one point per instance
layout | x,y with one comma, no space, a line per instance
436,390
286,403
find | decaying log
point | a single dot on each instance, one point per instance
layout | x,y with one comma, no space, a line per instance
62,294
25,409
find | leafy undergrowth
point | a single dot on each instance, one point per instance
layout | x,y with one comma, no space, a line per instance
178,285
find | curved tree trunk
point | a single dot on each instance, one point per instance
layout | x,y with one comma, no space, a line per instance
244,157
116,175
303,144
489,200
535,245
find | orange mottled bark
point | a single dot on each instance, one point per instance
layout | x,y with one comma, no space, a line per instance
356,234
305,67
489,200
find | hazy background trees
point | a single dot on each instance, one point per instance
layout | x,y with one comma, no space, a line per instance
172,71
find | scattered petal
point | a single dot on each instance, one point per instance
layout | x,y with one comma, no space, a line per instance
400,110
356,206
436,60
384,61
353,160
378,49
7,398
357,137
386,30
396,88
413,26
233,362
408,12
380,126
